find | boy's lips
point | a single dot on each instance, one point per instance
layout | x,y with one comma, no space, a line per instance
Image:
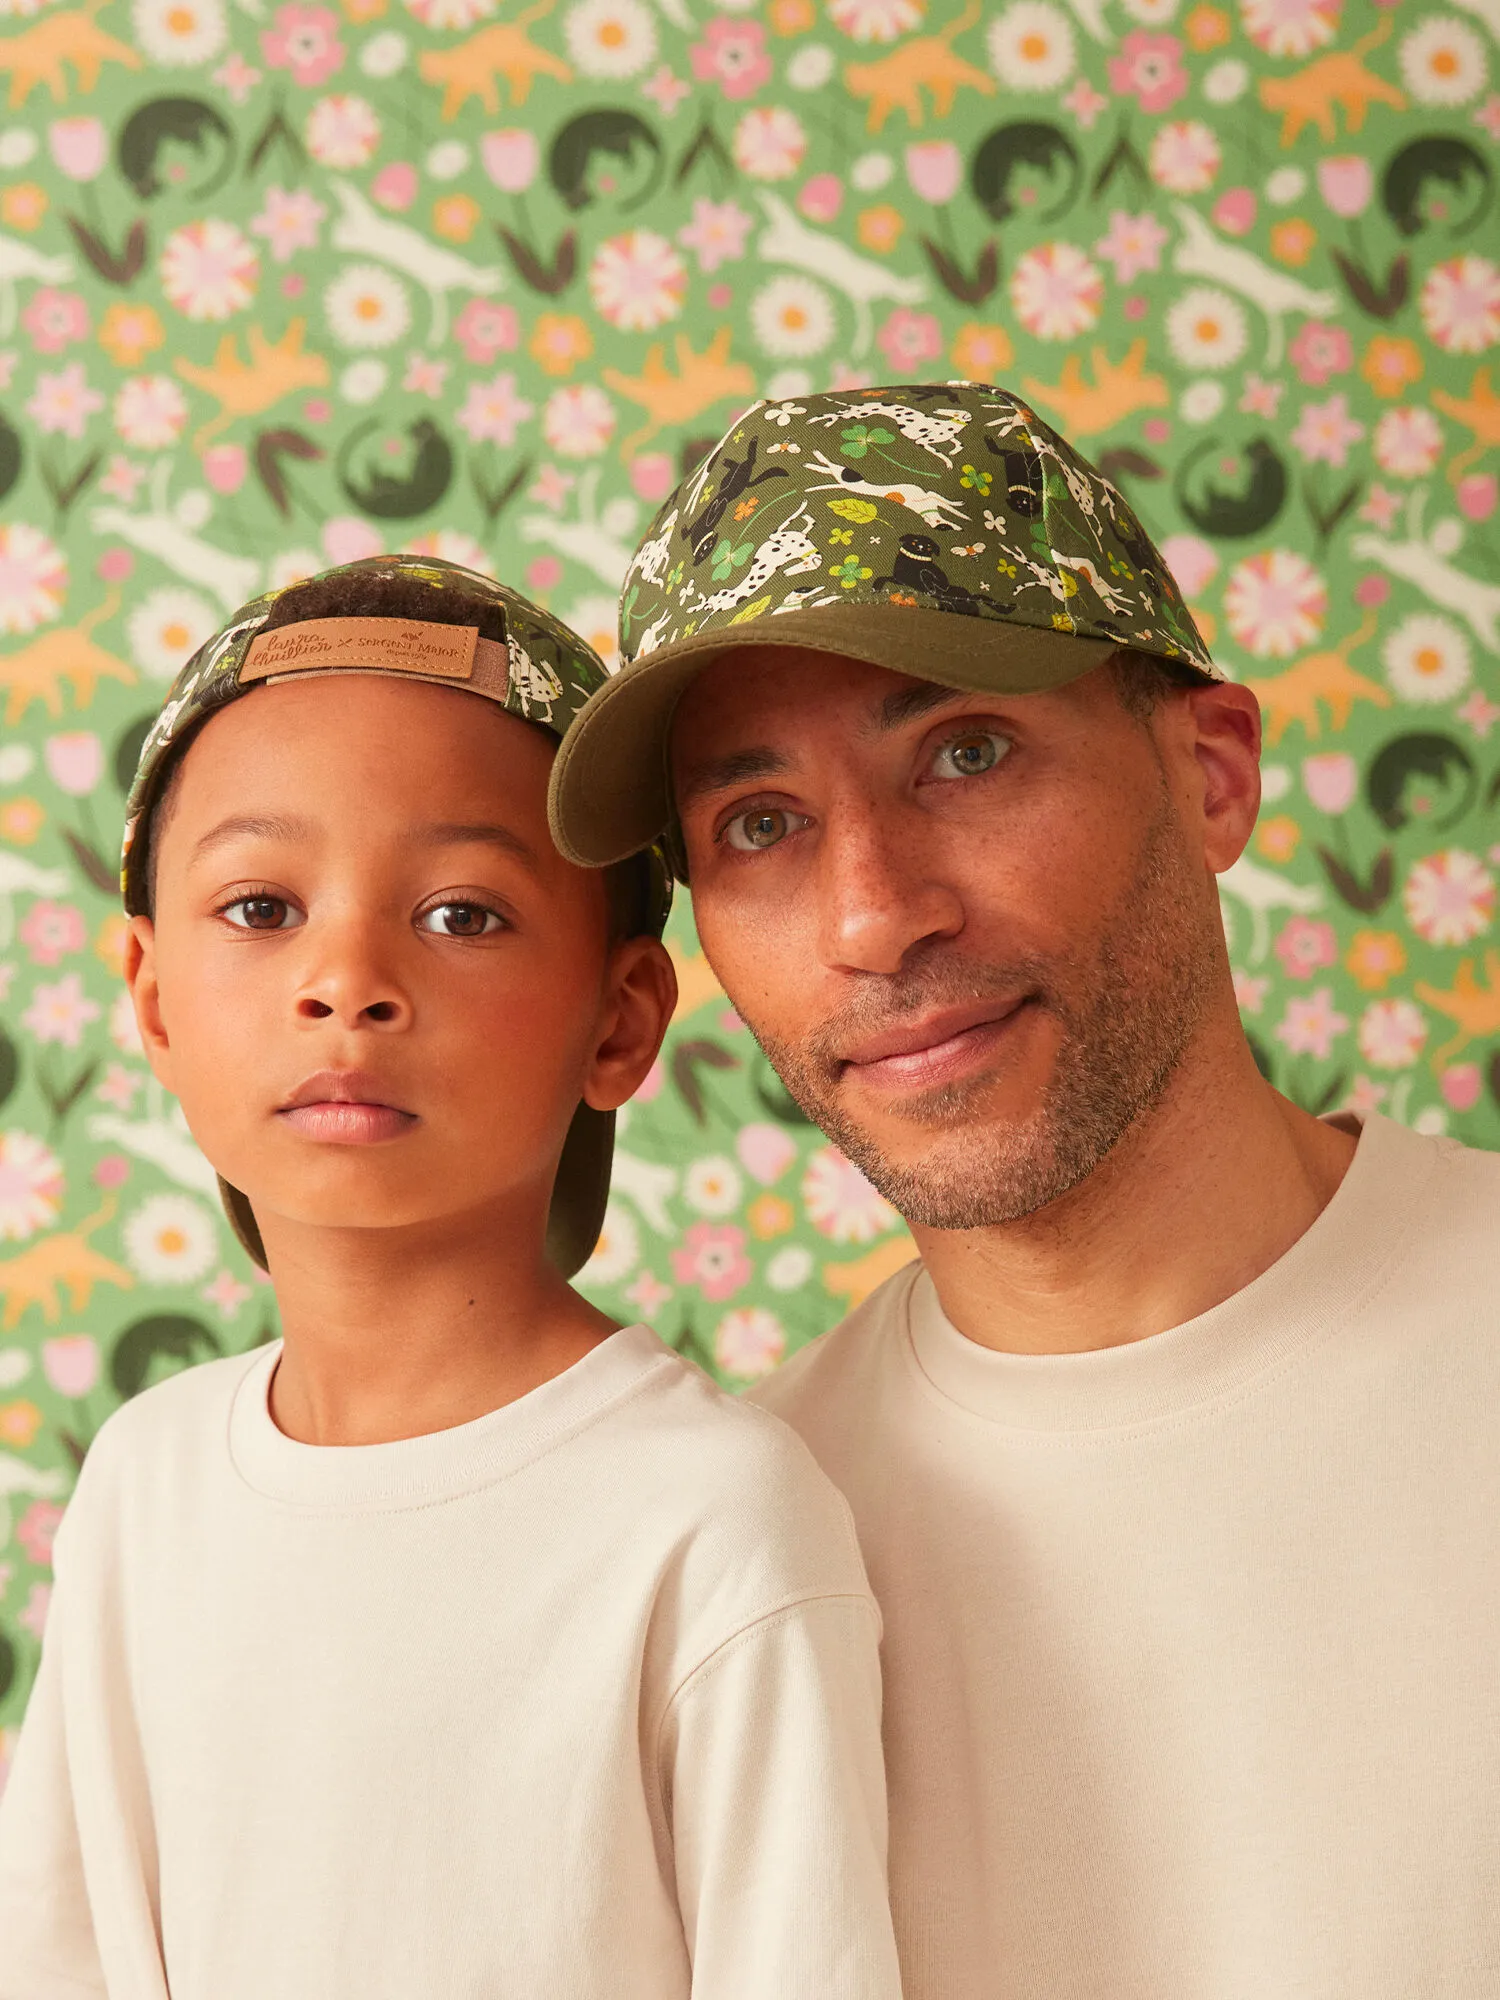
345,1106
936,1048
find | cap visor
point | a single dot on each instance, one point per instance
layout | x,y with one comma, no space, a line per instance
611,788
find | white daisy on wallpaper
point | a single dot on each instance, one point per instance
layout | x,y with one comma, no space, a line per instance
1031,46
792,317
170,1240
167,627
367,306
610,38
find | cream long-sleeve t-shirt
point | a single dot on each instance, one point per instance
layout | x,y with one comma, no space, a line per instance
1192,1645
579,1701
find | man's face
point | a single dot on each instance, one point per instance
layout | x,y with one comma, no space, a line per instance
974,934
377,989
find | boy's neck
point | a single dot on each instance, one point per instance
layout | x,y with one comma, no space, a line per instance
394,1334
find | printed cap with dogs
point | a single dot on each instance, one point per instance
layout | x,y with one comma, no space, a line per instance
939,530
423,619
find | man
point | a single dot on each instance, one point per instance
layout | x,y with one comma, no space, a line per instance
1174,1459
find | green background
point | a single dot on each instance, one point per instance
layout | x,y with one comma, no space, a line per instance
276,291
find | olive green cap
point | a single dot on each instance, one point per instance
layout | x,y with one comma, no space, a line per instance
939,530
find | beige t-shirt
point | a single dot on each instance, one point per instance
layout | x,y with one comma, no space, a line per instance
1192,1646
579,1701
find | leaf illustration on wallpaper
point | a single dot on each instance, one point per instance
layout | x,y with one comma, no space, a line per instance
271,447
1367,894
115,268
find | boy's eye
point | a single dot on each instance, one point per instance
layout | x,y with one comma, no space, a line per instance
460,920
972,754
753,832
262,913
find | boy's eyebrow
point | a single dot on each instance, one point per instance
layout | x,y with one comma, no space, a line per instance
262,826
463,833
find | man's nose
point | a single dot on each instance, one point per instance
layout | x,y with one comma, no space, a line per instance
349,977
881,890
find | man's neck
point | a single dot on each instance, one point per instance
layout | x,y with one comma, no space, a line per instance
1205,1192
397,1333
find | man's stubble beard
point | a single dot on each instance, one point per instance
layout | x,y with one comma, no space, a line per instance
1128,1010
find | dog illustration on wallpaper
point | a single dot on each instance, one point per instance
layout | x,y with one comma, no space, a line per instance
65,655
362,231
1325,677
668,398
598,536
1478,412
1474,1008
1339,80
20,264
272,369
788,240
1423,560
37,54
473,68
57,1264
1118,390
1201,254
169,532
896,81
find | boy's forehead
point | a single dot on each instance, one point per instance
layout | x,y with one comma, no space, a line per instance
309,739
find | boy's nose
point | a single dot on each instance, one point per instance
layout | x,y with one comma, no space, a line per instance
348,983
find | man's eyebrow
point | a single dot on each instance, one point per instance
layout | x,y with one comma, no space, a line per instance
251,826
739,768
911,704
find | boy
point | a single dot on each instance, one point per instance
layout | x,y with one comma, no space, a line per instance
460,1643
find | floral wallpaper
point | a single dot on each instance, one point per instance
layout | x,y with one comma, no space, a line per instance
287,284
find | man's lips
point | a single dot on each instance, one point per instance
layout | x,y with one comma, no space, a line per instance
347,1107
935,1048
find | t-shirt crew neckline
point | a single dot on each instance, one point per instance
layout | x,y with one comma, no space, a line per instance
440,1465
1332,1269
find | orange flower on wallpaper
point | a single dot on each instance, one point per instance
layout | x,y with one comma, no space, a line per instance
456,216
559,341
980,351
1278,839
1374,959
23,205
1206,28
1391,364
880,228
128,333
1293,241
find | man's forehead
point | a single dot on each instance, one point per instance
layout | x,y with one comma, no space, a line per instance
775,693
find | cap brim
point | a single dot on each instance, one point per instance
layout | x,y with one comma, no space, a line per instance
610,792
574,1220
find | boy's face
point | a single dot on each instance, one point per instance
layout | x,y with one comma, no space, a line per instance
377,989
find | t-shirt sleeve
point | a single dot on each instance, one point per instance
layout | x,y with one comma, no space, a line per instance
47,1944
773,1783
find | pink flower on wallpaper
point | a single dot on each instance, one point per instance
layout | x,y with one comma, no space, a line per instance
733,55
935,169
79,147
1132,244
1331,780
908,339
510,157
1325,431
70,1363
821,198
395,186
1234,212
1320,350
716,232
304,40
55,319
51,931
75,762
484,330
64,402
712,1257
1149,69
1346,183
225,466
492,410
1306,946
1311,1026
37,1529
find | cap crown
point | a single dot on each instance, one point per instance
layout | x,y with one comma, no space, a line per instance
552,672
955,497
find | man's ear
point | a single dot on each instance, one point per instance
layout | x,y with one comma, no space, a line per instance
145,996
1225,722
640,995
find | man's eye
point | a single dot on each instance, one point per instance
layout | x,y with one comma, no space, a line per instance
460,920
261,913
753,832
972,754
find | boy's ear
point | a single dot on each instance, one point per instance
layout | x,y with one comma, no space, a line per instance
145,995
640,995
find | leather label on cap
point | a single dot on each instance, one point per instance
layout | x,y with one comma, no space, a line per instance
386,645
